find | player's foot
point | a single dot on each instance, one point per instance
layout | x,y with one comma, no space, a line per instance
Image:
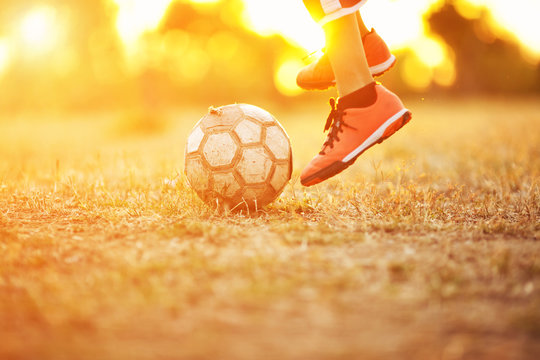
353,131
319,74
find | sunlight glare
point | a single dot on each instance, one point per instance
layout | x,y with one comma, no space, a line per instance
402,24
4,55
285,76
287,18
399,22
38,29
512,20
415,73
430,51
135,17
445,73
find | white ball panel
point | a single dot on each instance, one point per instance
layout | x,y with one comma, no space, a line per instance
277,142
219,149
257,113
194,140
254,166
222,117
248,132
280,176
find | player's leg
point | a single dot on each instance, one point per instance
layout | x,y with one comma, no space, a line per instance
319,74
366,113
344,47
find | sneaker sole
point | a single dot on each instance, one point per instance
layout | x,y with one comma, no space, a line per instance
375,71
389,128
381,68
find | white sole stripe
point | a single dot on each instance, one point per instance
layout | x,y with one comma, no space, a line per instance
377,134
377,69
329,6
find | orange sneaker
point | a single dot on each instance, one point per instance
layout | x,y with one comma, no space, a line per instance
319,74
353,131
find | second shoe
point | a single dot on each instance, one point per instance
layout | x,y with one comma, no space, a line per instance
319,74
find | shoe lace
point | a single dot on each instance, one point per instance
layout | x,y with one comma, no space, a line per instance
335,124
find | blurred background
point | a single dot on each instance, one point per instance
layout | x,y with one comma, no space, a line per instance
80,55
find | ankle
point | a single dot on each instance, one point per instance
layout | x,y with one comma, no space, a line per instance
363,97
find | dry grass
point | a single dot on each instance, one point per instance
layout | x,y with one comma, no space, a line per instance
426,249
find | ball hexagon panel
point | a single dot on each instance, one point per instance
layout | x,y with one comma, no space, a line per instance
280,177
222,117
277,142
257,113
194,140
219,149
225,184
197,174
254,165
248,131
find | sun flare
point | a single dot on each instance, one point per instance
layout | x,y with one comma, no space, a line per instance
4,55
286,18
39,30
134,18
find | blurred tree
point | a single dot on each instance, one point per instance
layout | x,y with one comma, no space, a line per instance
484,63
235,62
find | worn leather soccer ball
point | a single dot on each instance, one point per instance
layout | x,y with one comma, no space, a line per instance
238,157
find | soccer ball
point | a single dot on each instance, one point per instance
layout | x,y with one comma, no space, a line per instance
238,157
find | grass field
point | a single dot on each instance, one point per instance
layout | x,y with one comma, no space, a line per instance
427,248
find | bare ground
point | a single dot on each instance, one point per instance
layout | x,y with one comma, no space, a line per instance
426,249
